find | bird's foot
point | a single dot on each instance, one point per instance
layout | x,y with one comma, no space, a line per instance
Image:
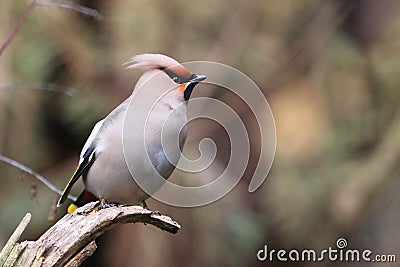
104,204
153,212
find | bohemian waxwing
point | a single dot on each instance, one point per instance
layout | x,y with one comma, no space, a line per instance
102,163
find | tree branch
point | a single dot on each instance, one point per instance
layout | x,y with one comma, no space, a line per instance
70,5
7,254
82,255
28,170
17,26
39,86
64,4
71,240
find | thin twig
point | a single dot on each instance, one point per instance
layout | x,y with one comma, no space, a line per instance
34,174
12,241
17,26
71,5
39,86
64,4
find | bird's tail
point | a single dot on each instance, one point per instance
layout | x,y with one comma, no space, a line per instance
84,197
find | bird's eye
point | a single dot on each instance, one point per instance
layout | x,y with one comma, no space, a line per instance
175,78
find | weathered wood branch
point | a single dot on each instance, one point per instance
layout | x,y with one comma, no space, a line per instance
71,240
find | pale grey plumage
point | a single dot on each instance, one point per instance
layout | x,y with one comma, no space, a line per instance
107,174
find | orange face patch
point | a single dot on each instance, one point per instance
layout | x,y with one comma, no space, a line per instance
182,88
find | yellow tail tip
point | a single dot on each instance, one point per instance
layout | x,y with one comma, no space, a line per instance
72,208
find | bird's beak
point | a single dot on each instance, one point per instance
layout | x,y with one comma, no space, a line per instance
197,78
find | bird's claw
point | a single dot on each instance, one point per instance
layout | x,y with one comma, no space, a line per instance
155,212
104,204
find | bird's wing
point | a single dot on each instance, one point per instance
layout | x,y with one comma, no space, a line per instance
85,163
88,153
91,138
86,159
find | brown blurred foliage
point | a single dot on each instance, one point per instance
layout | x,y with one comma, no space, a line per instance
329,69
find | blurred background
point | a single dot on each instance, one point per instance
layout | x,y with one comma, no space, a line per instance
330,70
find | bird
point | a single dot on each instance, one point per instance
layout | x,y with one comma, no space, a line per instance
102,166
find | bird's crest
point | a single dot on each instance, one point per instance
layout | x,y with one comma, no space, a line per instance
151,61
157,61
